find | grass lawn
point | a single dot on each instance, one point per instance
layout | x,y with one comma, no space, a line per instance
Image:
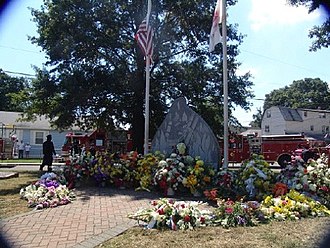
25,160
287,234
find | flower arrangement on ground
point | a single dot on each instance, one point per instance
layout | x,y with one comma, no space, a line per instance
232,214
47,192
146,167
175,215
311,178
75,171
293,206
100,169
170,173
223,186
198,176
255,178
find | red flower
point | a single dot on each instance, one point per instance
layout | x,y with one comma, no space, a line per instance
162,184
229,210
280,189
202,219
186,218
211,195
161,211
154,203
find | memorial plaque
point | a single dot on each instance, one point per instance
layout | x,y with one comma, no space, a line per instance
182,124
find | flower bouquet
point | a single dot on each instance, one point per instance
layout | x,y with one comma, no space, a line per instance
145,169
223,186
198,177
170,174
232,214
293,205
100,169
167,213
312,178
255,178
75,171
47,192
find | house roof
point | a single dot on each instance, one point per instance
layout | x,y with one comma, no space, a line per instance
10,119
290,114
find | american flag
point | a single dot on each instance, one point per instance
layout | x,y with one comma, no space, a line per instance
144,38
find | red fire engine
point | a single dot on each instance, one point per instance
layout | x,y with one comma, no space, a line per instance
98,140
274,148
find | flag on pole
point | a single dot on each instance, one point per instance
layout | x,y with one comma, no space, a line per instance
144,35
215,36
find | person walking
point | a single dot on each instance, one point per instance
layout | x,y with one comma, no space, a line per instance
21,149
27,150
48,151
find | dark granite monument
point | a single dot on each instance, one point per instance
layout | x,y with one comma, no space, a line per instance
182,124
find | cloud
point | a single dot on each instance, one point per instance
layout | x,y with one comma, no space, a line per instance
279,13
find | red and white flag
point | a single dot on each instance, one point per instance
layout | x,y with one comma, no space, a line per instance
215,36
144,35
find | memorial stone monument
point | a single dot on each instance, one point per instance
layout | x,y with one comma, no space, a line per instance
182,124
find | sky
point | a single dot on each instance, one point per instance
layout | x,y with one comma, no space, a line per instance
275,49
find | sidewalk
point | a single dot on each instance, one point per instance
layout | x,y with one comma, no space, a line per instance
97,215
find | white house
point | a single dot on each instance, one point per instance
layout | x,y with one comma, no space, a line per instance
282,120
33,133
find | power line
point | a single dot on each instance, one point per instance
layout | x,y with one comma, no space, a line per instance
283,62
19,49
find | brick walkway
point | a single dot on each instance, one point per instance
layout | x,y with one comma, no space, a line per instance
97,215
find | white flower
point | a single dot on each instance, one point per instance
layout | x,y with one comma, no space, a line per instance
312,187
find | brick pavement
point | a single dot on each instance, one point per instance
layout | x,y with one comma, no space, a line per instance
97,215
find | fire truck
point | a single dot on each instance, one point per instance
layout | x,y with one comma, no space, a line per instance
97,140
274,148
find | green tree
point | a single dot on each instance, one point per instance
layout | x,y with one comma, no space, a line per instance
12,90
306,93
97,69
257,118
321,34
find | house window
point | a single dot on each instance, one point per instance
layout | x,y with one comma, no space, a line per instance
269,114
267,129
39,138
325,129
312,128
305,113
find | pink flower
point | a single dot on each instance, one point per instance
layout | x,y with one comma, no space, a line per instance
229,210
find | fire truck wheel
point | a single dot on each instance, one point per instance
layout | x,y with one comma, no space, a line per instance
283,160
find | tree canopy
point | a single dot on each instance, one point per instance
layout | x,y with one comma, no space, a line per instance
306,93
11,91
96,72
321,34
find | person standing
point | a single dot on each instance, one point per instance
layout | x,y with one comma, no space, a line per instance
48,151
27,150
21,149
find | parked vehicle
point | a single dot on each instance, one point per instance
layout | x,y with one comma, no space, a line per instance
6,148
274,148
98,140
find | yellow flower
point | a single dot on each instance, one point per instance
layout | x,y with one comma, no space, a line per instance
191,180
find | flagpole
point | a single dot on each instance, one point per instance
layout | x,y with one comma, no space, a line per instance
146,121
225,86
